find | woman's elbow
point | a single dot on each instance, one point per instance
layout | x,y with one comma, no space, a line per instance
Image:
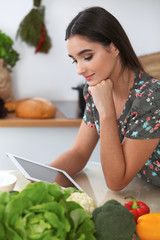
115,186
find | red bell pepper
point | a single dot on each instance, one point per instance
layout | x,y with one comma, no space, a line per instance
136,207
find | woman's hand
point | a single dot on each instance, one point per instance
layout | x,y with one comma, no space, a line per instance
102,94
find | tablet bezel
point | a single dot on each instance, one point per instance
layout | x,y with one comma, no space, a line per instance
13,157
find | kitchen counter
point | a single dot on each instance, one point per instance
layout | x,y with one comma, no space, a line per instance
67,115
92,181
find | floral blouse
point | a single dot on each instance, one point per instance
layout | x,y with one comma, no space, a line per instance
140,119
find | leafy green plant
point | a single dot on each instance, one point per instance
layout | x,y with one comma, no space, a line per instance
7,53
41,211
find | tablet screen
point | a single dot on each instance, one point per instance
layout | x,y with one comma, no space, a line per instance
46,173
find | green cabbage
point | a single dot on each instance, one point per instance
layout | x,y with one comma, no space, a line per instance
41,212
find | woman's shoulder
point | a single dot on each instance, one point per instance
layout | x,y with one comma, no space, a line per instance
143,116
146,88
145,96
144,82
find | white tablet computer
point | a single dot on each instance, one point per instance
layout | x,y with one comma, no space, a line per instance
39,172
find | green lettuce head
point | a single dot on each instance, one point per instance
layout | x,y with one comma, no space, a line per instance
41,212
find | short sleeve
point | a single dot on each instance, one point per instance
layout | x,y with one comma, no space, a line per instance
144,119
88,113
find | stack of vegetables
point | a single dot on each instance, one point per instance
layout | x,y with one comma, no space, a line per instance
44,211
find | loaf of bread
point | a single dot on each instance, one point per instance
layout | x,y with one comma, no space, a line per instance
12,105
32,108
36,108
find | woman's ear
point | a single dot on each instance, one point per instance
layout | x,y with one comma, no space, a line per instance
114,49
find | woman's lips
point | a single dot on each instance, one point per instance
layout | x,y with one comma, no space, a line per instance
89,77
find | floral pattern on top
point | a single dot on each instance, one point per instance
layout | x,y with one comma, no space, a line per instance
140,119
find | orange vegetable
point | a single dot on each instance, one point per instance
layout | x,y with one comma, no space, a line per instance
148,226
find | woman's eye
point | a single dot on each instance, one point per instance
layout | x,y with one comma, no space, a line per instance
88,58
74,61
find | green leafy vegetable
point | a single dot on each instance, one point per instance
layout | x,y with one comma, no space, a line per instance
7,52
41,212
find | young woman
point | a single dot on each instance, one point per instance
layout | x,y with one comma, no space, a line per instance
122,103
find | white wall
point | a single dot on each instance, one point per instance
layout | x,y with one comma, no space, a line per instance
41,144
52,75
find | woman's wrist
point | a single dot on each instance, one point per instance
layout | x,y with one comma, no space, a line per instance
108,112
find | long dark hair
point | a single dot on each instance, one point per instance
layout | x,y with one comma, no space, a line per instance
98,25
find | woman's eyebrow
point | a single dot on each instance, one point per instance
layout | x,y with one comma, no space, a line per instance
84,51
81,52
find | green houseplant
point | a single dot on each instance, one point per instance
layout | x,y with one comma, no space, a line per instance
8,59
7,53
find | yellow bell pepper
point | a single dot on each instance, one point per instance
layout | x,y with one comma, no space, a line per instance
148,226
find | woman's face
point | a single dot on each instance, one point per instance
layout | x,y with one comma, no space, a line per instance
93,61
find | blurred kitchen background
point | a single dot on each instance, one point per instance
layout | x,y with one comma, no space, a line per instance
52,75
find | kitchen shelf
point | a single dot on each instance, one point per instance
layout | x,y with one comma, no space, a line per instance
59,120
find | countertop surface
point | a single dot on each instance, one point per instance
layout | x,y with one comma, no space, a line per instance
91,180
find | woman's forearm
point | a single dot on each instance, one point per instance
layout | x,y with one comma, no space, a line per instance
112,157
75,159
71,162
111,151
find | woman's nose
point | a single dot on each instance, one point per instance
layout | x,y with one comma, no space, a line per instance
80,68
